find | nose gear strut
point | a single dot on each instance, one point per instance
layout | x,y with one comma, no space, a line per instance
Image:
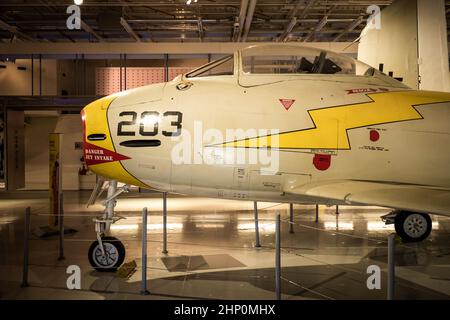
106,253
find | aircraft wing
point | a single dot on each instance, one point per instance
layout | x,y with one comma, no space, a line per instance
398,196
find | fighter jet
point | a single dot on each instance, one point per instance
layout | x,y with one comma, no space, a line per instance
277,123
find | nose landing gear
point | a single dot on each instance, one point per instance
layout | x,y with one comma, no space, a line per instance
107,253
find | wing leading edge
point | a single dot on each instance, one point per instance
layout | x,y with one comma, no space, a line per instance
398,196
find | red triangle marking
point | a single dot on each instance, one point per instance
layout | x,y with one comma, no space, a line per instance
287,103
95,155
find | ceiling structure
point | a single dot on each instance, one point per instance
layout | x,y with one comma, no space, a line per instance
186,20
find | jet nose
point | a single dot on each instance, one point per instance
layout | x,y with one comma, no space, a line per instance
91,130
96,135
98,147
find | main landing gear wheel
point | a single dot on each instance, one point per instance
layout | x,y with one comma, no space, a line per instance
413,227
113,257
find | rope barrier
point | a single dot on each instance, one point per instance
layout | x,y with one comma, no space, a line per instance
278,247
307,289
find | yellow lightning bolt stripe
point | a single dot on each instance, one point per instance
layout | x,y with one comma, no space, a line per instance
332,123
96,120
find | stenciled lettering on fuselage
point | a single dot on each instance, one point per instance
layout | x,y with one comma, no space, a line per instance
94,154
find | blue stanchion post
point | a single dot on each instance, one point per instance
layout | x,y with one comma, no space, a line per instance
278,258
391,267
61,227
255,209
26,248
144,290
291,218
165,223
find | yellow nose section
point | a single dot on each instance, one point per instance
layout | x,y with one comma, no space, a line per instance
98,148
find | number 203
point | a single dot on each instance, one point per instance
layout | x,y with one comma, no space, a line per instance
143,127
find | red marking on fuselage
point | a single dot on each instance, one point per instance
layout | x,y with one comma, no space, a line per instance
287,103
322,161
366,90
95,155
374,135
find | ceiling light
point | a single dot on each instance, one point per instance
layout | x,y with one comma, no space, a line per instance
78,2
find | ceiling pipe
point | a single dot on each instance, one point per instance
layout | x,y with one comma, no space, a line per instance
240,20
236,30
200,29
248,19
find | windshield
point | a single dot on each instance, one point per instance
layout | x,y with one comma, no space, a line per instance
274,59
221,67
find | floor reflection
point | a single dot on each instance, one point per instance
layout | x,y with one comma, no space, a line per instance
212,255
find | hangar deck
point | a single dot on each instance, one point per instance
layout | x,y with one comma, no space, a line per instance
212,255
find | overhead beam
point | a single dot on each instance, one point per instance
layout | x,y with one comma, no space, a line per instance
345,3
129,29
350,27
296,8
317,28
15,31
285,35
293,18
88,29
248,19
22,48
193,21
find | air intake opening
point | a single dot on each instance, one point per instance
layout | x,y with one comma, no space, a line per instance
141,143
96,137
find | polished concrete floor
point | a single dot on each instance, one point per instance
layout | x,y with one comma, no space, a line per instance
212,254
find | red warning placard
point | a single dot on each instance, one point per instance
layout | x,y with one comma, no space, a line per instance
95,155
287,103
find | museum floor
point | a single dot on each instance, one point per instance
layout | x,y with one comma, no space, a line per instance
212,255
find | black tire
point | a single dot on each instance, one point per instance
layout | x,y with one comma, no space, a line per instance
412,226
115,255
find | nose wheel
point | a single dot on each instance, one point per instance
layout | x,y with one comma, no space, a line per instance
108,258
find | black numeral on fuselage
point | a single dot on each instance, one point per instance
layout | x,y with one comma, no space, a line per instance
120,131
155,123
149,123
176,123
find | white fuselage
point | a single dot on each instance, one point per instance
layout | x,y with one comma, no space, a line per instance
410,152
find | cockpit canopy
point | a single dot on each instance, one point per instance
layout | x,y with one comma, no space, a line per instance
273,59
283,59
